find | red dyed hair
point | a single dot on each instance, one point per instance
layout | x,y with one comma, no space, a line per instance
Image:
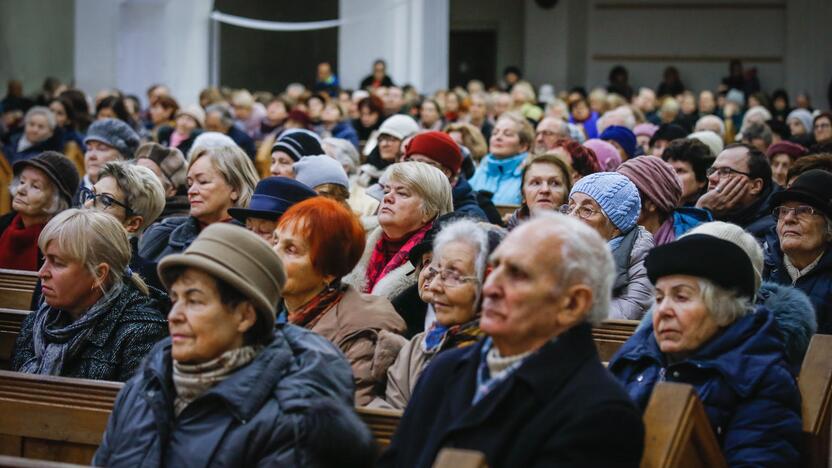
336,238
584,161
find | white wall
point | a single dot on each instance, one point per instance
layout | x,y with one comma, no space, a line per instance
34,45
410,35
131,44
547,38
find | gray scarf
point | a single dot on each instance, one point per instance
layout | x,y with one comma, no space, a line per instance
192,380
56,342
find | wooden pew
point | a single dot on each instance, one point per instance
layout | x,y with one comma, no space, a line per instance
610,335
63,419
10,320
16,288
816,394
19,462
677,430
460,458
506,209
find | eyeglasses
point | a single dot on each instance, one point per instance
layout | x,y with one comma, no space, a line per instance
449,278
584,212
102,201
724,171
802,211
822,125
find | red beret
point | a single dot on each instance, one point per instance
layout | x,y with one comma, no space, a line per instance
437,146
792,149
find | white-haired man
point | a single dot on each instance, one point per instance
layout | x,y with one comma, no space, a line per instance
533,392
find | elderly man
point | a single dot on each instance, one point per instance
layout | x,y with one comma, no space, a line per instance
549,131
739,189
533,393
219,118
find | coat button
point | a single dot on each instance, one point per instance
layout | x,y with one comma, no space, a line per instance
676,374
151,393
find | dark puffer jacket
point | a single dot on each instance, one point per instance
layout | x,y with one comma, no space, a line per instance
817,284
742,377
171,235
118,342
465,200
257,417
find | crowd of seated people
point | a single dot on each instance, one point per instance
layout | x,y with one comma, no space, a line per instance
253,266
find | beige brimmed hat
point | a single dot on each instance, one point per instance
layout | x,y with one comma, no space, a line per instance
239,258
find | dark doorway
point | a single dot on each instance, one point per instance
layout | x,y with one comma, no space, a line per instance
270,60
473,55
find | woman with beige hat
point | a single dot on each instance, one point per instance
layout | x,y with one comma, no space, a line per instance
228,388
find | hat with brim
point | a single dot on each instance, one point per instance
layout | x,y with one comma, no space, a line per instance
237,257
272,197
812,187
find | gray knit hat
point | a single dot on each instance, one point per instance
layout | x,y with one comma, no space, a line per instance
615,194
239,258
317,170
114,133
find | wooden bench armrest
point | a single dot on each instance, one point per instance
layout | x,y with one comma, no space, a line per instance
815,385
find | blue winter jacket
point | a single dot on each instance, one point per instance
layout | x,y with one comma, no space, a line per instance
741,375
817,284
256,417
686,218
501,177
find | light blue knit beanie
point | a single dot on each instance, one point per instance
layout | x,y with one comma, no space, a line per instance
317,170
615,194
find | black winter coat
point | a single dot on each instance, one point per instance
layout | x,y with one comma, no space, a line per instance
256,417
171,235
561,407
118,343
465,200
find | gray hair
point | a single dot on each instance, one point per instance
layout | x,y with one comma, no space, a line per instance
226,116
724,306
56,204
584,259
344,152
236,168
705,122
90,238
44,111
143,192
427,181
471,233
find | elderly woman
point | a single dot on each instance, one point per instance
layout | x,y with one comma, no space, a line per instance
42,187
415,193
181,135
782,156
218,179
98,319
319,241
500,171
705,331
798,250
660,193
40,133
290,147
451,284
326,176
546,186
171,167
272,197
610,204
133,195
390,138
107,140
226,367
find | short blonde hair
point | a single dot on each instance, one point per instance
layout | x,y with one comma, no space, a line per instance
524,130
235,167
90,238
142,190
426,181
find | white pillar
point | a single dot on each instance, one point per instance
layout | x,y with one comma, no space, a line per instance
410,35
131,44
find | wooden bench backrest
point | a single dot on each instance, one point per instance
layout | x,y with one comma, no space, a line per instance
63,419
677,430
10,320
816,394
460,458
610,335
506,209
16,288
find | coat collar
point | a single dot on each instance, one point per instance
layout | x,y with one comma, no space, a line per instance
511,165
182,236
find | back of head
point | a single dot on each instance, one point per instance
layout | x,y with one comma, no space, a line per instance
171,162
656,180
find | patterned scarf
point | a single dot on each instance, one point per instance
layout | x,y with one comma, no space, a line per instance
310,313
494,369
380,264
192,380
57,339
440,337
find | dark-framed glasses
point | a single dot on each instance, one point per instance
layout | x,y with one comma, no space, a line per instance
724,171
102,201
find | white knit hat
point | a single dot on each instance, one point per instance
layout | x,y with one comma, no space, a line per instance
712,141
400,126
736,235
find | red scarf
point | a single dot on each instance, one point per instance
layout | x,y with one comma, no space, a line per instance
19,245
310,313
383,262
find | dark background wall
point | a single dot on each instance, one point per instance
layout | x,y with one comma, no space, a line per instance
267,60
